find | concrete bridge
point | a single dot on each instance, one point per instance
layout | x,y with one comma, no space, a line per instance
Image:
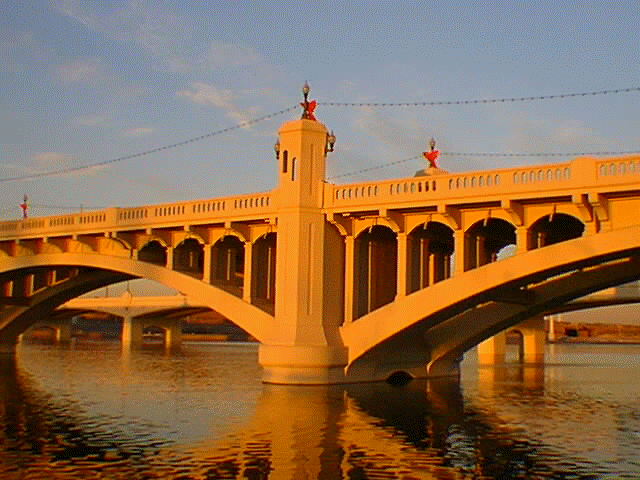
138,313
348,283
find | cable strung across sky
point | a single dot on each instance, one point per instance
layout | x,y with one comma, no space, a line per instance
480,100
356,104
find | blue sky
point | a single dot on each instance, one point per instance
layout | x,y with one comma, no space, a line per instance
84,82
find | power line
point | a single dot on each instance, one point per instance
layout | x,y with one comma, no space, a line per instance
484,154
149,152
479,100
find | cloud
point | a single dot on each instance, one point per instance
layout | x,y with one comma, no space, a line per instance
86,71
205,94
45,162
19,49
91,120
93,73
138,132
168,38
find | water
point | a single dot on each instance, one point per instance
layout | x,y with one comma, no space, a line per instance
92,411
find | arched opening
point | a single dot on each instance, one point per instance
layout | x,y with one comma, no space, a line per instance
484,241
188,257
399,378
153,252
552,229
228,264
430,247
264,273
375,269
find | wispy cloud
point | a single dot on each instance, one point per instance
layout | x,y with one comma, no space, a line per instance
168,39
94,73
91,120
137,131
205,94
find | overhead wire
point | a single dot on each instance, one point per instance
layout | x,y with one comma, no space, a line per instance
479,100
484,154
149,152
343,104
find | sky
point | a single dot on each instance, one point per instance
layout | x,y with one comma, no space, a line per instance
89,82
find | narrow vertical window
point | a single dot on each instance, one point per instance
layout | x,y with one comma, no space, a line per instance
285,158
293,168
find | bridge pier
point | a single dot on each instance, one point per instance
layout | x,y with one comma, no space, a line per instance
133,331
531,347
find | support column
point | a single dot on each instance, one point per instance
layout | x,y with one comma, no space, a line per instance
432,269
206,260
62,332
402,265
534,340
349,262
459,250
521,240
131,332
304,346
493,350
172,334
169,264
247,281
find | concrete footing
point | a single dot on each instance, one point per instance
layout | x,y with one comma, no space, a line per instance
302,365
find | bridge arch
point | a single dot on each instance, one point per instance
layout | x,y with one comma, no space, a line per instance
429,330
263,271
154,251
188,257
100,270
375,272
554,228
429,250
227,263
485,239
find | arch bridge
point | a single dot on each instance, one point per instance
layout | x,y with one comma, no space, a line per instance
347,283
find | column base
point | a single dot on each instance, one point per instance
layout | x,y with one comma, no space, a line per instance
302,365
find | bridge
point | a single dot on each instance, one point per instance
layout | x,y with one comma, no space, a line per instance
349,283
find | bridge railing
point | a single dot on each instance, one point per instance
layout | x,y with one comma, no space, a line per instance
443,186
587,172
198,211
617,170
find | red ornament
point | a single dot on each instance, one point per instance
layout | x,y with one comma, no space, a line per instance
309,107
432,157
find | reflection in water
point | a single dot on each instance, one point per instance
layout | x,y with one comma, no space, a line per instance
92,411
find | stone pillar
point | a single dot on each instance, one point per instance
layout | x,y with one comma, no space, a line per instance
299,350
247,281
534,340
459,250
172,334
349,262
62,332
493,350
170,258
207,271
402,265
131,332
521,240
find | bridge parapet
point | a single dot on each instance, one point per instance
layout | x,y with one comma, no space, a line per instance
584,173
239,207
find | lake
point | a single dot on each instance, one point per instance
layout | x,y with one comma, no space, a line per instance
90,410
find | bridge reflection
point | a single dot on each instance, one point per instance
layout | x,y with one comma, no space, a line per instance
427,429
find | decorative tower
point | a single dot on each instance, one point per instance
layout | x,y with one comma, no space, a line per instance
303,348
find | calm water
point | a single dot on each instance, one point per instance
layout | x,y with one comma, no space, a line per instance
91,411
